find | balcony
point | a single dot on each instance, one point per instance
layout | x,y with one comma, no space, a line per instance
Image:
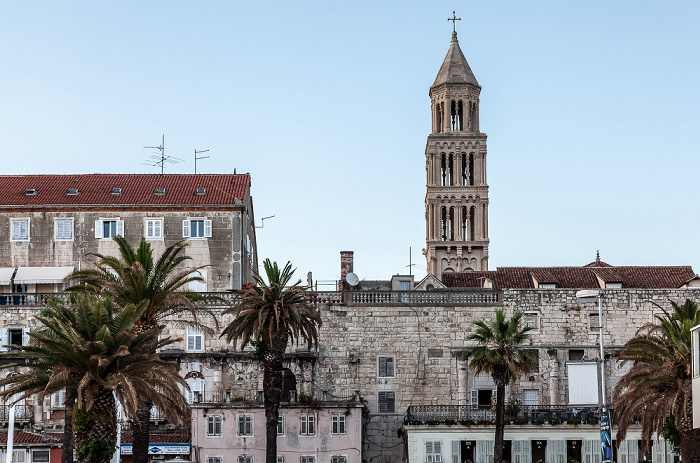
23,413
474,415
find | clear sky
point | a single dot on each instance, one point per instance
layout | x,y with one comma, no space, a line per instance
592,110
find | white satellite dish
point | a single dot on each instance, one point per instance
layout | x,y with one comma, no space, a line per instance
352,279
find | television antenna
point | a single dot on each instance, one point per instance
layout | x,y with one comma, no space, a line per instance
160,159
201,157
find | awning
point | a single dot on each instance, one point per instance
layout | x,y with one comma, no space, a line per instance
39,275
6,275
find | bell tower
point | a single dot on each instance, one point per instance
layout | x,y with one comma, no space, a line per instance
457,197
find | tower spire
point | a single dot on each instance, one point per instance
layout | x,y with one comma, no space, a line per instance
454,20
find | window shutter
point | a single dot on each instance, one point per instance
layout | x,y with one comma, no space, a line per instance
390,366
303,425
622,452
382,366
158,228
4,339
437,447
190,342
207,228
120,228
186,228
98,229
659,451
25,336
455,451
382,402
632,449
475,397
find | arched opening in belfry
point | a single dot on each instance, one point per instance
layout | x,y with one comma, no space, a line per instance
443,169
464,164
465,224
438,117
450,169
471,169
451,225
472,219
457,115
483,222
443,223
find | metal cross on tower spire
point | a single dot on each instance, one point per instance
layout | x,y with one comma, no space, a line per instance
454,20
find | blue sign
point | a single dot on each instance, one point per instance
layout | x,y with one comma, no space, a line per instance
605,436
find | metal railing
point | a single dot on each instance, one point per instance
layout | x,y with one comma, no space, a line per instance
22,412
514,414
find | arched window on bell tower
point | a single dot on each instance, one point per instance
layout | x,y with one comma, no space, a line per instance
472,219
471,169
464,164
443,223
465,225
443,169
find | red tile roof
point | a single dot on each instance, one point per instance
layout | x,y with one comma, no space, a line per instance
138,189
23,437
574,277
175,437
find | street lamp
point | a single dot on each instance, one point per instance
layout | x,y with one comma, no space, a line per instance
586,296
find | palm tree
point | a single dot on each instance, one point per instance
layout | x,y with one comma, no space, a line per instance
269,315
658,385
134,278
96,351
498,353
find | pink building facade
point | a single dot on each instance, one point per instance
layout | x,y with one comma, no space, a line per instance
323,432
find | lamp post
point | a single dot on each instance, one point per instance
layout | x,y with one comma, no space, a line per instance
585,296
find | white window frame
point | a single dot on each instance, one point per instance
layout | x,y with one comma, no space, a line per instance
215,426
48,455
389,398
153,228
280,458
215,459
338,425
339,459
245,424
198,286
194,336
56,229
58,399
99,227
196,385
433,455
389,366
244,459
187,228
280,424
307,458
529,400
307,424
20,236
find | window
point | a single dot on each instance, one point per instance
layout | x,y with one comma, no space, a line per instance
338,424
547,286
195,340
109,228
307,425
280,458
245,459
40,456
531,397
307,459
594,322
245,425
63,229
15,336
18,456
530,321
197,285
386,367
215,459
339,459
196,392
280,425
386,401
214,426
433,451
613,285
576,354
154,229
196,228
58,399
20,229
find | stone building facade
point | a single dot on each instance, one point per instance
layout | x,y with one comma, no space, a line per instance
457,197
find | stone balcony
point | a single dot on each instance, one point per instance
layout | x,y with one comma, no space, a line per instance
23,413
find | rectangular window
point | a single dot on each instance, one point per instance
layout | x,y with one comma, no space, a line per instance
196,392
307,425
245,459
196,228
613,285
386,367
245,425
154,229
594,321
547,286
386,402
40,456
338,424
215,459
58,399
339,459
195,340
20,229
109,228
18,456
280,425
280,458
433,451
63,229
214,426
531,397
307,459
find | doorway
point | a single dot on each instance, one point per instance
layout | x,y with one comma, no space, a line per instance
573,451
539,451
466,451
507,450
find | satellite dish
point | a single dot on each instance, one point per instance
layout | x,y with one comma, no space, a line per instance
352,279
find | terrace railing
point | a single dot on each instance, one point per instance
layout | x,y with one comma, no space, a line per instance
22,413
514,414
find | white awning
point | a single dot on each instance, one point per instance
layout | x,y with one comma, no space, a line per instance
6,275
40,275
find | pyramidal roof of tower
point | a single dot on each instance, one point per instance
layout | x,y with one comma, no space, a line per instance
455,69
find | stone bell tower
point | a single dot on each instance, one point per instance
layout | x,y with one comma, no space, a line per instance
457,197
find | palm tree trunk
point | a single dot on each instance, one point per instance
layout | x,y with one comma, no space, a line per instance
95,430
67,447
500,421
142,431
272,385
690,446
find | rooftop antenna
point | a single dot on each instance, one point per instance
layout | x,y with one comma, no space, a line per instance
160,159
201,157
410,263
262,221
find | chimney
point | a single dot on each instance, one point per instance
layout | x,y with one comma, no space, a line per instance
345,264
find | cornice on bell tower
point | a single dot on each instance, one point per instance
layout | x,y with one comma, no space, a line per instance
456,201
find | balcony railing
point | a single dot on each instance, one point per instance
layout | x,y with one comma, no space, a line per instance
22,413
514,414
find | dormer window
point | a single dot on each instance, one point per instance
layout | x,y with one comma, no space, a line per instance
547,286
116,191
201,191
73,192
613,285
30,191
160,191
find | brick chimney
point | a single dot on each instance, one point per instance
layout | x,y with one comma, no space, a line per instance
345,264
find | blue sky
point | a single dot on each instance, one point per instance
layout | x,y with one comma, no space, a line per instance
591,109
